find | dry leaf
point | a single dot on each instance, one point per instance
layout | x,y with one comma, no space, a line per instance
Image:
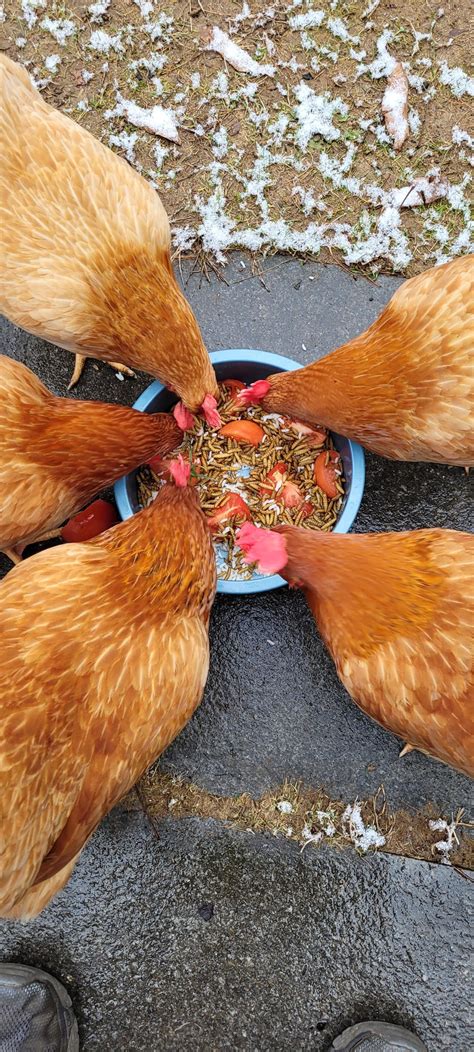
395,106
423,190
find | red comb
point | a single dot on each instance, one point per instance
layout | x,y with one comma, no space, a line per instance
180,470
253,394
183,417
209,408
263,547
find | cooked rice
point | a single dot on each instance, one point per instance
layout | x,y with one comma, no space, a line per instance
227,466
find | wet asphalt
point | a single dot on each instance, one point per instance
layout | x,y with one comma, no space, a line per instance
297,946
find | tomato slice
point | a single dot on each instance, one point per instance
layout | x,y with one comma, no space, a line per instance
327,469
315,436
98,517
233,386
291,495
275,478
234,507
246,431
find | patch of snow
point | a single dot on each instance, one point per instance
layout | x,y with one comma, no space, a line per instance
309,837
156,119
52,63
160,152
60,28
153,64
20,42
195,80
29,9
414,121
235,55
86,76
146,7
103,42
384,63
125,141
362,836
183,238
220,148
459,136
456,79
444,847
162,29
339,29
314,114
98,10
310,20
284,807
83,106
308,200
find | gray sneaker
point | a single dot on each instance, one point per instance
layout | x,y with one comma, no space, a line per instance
378,1037
36,1012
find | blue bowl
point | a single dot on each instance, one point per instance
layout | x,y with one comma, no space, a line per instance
249,366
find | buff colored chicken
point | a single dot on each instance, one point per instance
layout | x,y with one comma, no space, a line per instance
396,611
56,453
405,387
105,655
85,244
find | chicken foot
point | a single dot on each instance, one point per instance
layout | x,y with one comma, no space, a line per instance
79,362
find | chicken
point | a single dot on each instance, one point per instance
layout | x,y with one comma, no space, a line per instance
85,243
396,611
105,655
405,387
56,453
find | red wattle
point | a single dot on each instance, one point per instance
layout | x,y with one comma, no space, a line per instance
254,394
180,469
183,417
209,408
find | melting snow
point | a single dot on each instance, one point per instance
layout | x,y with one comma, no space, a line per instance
444,847
98,10
60,28
104,42
314,114
456,79
285,807
157,120
362,836
52,63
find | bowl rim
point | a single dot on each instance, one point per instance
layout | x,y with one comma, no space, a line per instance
280,363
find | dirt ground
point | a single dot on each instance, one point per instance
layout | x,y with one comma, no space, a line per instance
244,173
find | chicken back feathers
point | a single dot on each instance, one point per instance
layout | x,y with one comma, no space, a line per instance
104,658
405,387
86,247
396,611
57,453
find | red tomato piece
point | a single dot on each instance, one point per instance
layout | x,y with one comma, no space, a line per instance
291,495
327,469
275,478
233,386
98,517
234,507
315,436
246,431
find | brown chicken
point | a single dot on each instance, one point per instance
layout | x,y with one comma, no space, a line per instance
396,611
56,453
105,655
85,244
405,387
